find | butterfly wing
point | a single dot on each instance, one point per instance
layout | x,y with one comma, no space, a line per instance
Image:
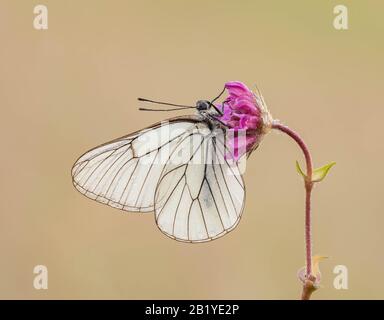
200,196
123,173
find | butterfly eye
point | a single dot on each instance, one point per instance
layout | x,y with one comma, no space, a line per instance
202,105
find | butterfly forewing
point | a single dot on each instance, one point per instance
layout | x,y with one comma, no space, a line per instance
124,173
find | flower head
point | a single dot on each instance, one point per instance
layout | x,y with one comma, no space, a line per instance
247,117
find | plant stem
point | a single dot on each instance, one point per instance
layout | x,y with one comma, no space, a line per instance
308,287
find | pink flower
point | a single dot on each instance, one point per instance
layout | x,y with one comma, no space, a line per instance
246,116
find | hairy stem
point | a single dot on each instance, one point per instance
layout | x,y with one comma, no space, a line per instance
308,287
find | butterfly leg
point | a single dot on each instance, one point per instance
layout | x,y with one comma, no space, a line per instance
214,119
216,108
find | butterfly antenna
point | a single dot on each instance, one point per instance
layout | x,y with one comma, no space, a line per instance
172,109
181,106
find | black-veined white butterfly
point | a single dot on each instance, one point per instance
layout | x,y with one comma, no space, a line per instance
183,169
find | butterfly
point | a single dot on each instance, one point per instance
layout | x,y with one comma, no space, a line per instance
184,169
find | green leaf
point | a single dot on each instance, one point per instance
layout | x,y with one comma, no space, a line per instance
320,173
298,168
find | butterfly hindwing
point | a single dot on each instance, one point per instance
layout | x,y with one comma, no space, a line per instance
200,195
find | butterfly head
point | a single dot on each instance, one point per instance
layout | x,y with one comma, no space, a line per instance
203,105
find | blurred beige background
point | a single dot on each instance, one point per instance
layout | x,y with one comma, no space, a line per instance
74,86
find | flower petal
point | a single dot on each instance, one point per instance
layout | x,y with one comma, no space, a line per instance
236,88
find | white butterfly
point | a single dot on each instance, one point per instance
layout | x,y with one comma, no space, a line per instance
179,169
